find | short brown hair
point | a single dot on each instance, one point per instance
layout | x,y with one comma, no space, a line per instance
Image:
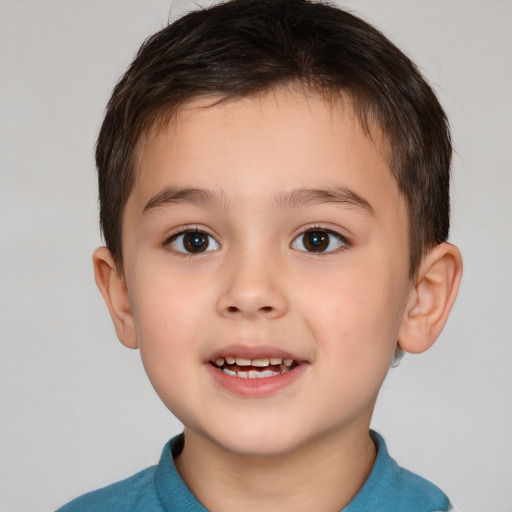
244,47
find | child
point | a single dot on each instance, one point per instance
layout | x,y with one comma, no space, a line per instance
274,192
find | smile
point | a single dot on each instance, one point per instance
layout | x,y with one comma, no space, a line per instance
257,368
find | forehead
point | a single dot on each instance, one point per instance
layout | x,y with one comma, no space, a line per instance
284,137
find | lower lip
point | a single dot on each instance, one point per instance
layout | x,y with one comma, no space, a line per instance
255,387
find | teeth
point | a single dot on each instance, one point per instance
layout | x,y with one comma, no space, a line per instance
254,374
260,362
266,373
279,366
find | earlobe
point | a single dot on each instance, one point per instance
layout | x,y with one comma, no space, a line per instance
112,286
431,299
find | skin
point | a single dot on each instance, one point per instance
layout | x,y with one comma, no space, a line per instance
339,312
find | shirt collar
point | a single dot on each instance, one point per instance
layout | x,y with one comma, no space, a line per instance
387,487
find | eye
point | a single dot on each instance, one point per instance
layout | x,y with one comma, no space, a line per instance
319,240
193,242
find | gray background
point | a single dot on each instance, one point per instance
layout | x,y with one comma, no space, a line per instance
77,411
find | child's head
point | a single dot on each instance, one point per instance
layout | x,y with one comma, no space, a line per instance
274,186
247,47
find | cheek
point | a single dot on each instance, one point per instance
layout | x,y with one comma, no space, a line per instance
358,310
169,314
168,329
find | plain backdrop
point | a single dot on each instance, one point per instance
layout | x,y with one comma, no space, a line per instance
77,411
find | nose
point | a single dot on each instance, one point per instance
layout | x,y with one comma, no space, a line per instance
252,288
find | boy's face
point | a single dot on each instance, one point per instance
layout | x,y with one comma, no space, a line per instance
258,229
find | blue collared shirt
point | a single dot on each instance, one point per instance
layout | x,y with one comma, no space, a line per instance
388,488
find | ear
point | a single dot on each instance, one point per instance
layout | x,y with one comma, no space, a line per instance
431,299
112,286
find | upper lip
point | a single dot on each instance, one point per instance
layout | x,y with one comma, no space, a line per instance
253,352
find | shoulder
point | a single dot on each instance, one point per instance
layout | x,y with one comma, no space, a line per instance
154,489
391,488
413,490
134,493
407,490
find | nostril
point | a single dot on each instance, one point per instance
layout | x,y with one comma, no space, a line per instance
263,309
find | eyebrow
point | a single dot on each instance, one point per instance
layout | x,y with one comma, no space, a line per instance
176,195
299,197
336,195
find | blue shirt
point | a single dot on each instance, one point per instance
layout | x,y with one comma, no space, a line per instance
388,488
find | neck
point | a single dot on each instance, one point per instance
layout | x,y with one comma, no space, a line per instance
324,475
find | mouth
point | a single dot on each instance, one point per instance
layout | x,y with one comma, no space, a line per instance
257,368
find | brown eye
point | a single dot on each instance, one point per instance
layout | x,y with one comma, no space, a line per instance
194,242
319,240
316,241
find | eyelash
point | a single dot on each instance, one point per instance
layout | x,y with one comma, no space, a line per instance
179,244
